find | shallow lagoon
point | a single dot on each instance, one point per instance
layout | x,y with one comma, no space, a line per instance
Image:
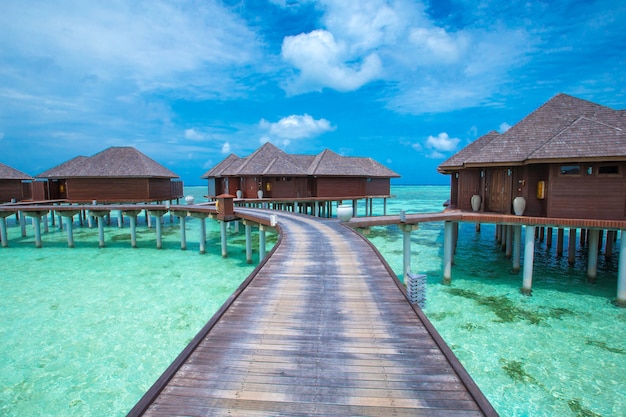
86,331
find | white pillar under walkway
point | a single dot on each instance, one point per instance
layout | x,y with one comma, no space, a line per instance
621,272
447,252
529,257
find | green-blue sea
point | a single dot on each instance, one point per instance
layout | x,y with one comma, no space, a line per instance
86,331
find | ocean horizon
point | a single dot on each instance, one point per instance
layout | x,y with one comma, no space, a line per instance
86,331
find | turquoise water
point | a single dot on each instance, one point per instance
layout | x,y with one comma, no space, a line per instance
86,331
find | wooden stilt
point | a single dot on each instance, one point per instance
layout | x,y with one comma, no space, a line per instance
509,241
571,247
592,255
608,247
529,257
549,237
517,247
559,242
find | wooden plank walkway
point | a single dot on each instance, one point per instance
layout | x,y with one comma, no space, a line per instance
321,328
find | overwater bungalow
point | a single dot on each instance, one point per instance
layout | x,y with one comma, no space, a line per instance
270,172
14,184
567,159
117,174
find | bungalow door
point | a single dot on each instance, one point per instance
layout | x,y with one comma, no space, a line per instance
500,191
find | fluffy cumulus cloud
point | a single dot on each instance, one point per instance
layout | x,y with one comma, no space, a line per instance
294,127
504,126
441,144
226,148
193,135
323,61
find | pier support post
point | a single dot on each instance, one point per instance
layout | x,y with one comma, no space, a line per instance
120,219
132,216
223,239
202,218
571,247
509,241
248,229
559,242
447,252
517,247
261,242
529,257
70,225
36,216
3,228
23,223
183,232
100,221
621,273
592,257
158,216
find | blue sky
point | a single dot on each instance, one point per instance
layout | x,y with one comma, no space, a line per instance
407,83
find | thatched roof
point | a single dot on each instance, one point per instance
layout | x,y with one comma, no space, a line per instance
270,160
564,128
114,162
8,173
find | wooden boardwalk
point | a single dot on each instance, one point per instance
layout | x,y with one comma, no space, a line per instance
321,328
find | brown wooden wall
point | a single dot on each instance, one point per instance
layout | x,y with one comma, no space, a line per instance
340,187
11,189
378,186
587,195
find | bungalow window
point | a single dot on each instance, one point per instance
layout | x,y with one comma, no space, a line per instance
570,170
608,170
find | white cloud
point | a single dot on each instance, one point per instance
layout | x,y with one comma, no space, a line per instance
1,135
504,126
435,45
295,127
226,147
442,142
324,62
194,135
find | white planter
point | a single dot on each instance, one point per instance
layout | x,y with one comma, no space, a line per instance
259,193
519,205
476,200
239,193
190,199
344,213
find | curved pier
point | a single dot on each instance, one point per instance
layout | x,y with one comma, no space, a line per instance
322,327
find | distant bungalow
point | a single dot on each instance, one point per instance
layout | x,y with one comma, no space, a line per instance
14,184
117,174
271,173
567,159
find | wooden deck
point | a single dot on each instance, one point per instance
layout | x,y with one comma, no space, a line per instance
322,327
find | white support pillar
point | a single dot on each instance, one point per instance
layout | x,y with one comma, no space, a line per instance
120,219
592,257
202,235
248,230
223,238
183,232
70,231
101,231
23,223
3,232
133,231
517,247
159,235
261,242
621,272
37,227
529,257
447,252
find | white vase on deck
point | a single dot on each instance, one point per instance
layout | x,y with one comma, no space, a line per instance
259,193
344,213
476,200
519,205
239,193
